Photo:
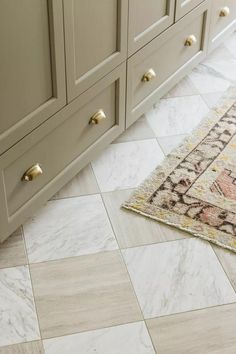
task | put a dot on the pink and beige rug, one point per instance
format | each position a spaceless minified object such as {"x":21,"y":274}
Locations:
{"x":194,"y":189}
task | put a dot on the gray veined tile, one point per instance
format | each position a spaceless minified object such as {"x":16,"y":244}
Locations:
{"x":178,"y":115}
{"x":82,"y":184}
{"x":67,"y":228}
{"x":177,"y":276}
{"x":168,"y":143}
{"x":137,"y":131}
{"x":83,"y":293}
{"x":184,"y":88}
{"x":12,"y":251}
{"x":18,"y":320}
{"x":130,"y":338}
{"x":212,"y":98}
{"x":132,"y":229}
{"x":230,"y":44}
{"x":207,"y":331}
{"x":126,"y":165}
{"x":228,"y":261}
{"x":24,"y":348}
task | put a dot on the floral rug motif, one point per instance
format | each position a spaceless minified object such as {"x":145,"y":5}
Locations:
{"x":194,"y":188}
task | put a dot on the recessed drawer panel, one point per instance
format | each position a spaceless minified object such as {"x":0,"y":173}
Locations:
{"x":29,"y":166}
{"x":165,"y":56}
{"x":184,"y":6}
{"x":223,"y":20}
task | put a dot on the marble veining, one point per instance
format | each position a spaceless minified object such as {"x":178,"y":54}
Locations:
{"x":131,"y":338}
{"x":168,"y":144}
{"x":18,"y":320}
{"x":177,"y":276}
{"x":125,"y":165}
{"x":178,"y":115}
{"x":69,"y":227}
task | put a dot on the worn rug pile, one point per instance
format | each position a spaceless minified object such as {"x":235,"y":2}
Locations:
{"x":194,"y":189}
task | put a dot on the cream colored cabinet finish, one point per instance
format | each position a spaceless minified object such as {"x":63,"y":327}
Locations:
{"x":32,"y":70}
{"x":147,"y":19}
{"x":95,"y":39}
{"x":221,"y":26}
{"x":61,"y":146}
{"x":184,"y":6}
{"x":169,"y":58}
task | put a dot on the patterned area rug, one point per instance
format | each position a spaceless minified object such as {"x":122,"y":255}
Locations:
{"x":194,"y":189}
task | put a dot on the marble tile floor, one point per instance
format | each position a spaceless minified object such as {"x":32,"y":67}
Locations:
{"x":83,"y":276}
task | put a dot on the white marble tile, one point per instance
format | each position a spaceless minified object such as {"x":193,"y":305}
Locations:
{"x":82,"y":184}
{"x":184,"y":88}
{"x":69,"y":227}
{"x":177,"y":276}
{"x":18,"y":320}
{"x":137,"y":131}
{"x":230,"y":44}
{"x":168,"y":143}
{"x":178,"y":115}
{"x":212,"y":99}
{"x":125,"y":165}
{"x":131,"y":338}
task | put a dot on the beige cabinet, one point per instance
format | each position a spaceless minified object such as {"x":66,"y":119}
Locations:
{"x":96,"y":40}
{"x":184,"y":6}
{"x":147,"y":19}
{"x":223,"y":20}
{"x":32,"y":72}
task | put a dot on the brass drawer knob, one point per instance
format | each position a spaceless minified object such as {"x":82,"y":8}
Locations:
{"x":149,"y":75}
{"x":191,"y":40}
{"x":225,"y":11}
{"x":97,"y":117}
{"x":32,"y":173}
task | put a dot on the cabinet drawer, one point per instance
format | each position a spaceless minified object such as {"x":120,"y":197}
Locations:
{"x":165,"y":59}
{"x":95,"y":41}
{"x":184,"y":6}
{"x":223,"y":20}
{"x":58,"y":143}
{"x":147,"y":19}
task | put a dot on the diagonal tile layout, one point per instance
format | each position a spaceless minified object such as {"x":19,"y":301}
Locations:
{"x":130,"y":338}
{"x":177,"y":276}
{"x":18,"y":320}
{"x":23,"y":348}
{"x":208,"y":331}
{"x":118,"y":167}
{"x":67,"y":228}
{"x":83,"y":293}
{"x":12,"y":251}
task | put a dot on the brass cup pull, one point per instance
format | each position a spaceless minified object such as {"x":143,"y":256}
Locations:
{"x":225,"y":11}
{"x":191,"y":40}
{"x":32,"y":173}
{"x":149,"y":75}
{"x":97,"y":117}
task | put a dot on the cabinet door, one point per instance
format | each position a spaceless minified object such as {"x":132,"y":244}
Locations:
{"x":96,"y":40}
{"x":147,"y":19}
{"x":32,"y":70}
{"x":184,"y":6}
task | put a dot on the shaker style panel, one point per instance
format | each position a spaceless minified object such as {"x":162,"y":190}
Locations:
{"x":152,"y":71}
{"x":184,"y":6}
{"x":223,"y":20}
{"x":147,"y":19}
{"x":32,"y":69}
{"x":96,"y":41}
{"x":37,"y":166}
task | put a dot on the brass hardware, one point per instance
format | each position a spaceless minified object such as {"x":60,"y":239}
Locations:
{"x":97,"y":117}
{"x":32,"y":173}
{"x":224,"y":12}
{"x":149,"y":75}
{"x":190,"y":41}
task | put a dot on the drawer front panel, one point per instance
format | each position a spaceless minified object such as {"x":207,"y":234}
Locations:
{"x":73,"y":135}
{"x":184,"y":6}
{"x":164,"y":56}
{"x":147,"y":19}
{"x":96,"y":40}
{"x":223,"y":20}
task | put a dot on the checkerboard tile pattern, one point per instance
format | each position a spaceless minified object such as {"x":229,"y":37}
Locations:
{"x":84,"y":276}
